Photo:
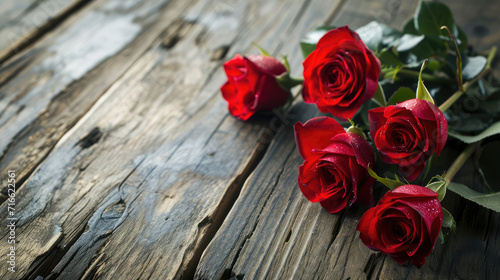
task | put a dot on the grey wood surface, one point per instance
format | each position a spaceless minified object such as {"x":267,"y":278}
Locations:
{"x":25,"y":21}
{"x":129,"y":166}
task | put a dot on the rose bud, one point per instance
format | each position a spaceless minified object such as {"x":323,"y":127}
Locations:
{"x":335,"y":169}
{"x":405,"y":224}
{"x":340,"y":74}
{"x":252,"y":86}
{"x":408,"y":133}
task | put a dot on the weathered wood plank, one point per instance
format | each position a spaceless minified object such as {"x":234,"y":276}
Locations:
{"x":218,"y":260}
{"x":22,"y":22}
{"x":140,"y":184}
{"x":273,"y":232}
{"x":50,"y":86}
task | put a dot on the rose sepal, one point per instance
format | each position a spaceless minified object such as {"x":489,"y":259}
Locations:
{"x":390,"y":183}
{"x":448,"y":224}
{"x":422,"y":92}
{"x":438,"y":187}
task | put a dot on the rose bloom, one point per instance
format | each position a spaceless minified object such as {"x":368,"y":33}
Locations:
{"x":407,"y":134}
{"x":405,"y":224}
{"x":252,"y":86}
{"x":334,"y":172}
{"x":340,"y":74}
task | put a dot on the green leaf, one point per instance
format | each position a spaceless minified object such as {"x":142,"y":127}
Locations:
{"x":441,"y":237}
{"x":371,"y":34}
{"x":433,"y":65}
{"x":472,"y":66}
{"x":287,"y":82}
{"x":490,"y":201}
{"x":462,"y":38}
{"x":308,"y":44}
{"x":379,"y":97}
{"x":439,"y":188}
{"x":402,"y":94}
{"x":430,"y":16}
{"x":408,"y":42}
{"x":422,"y":92}
{"x":286,"y":63}
{"x":389,"y":58}
{"x":492,"y":130}
{"x":409,"y":27}
{"x":376,"y":35}
{"x":391,"y":184}
{"x":448,"y":223}
{"x":448,"y":220}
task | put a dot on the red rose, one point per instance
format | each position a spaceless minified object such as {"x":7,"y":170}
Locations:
{"x":341,"y":74}
{"x":335,"y":169}
{"x":252,"y":86}
{"x":405,"y":224}
{"x":408,"y":133}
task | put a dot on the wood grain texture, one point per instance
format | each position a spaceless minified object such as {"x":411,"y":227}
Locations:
{"x":132,"y":167}
{"x":24,"y":21}
{"x":50,"y":86}
{"x":273,"y":232}
{"x":156,"y":162}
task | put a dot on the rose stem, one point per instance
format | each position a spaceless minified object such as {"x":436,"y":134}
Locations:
{"x":459,"y":162}
{"x":426,"y":77}
{"x":447,"y":104}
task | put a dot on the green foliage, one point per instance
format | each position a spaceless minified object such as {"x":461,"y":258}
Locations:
{"x":402,"y":94}
{"x":472,"y":66}
{"x":492,"y":130}
{"x":402,"y":52}
{"x":430,"y":16}
{"x":422,"y":92}
{"x":391,"y":184}
{"x":490,"y":201}
{"x":449,"y":225}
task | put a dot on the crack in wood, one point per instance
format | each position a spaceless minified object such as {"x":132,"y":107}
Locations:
{"x":336,"y":229}
{"x":371,"y":264}
{"x":221,"y":212}
{"x":111,"y":216}
{"x":228,"y":272}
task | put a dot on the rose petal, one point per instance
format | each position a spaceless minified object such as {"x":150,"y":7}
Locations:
{"x":315,"y":134}
{"x":338,"y":35}
{"x":268,"y":64}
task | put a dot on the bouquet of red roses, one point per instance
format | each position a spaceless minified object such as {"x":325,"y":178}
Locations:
{"x":372,"y":80}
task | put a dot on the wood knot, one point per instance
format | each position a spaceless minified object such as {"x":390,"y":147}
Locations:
{"x":219,"y":53}
{"x":175,"y":33}
{"x":115,"y":210}
{"x":90,"y":138}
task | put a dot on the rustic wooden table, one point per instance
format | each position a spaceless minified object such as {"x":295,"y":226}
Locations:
{"x":128,"y":165}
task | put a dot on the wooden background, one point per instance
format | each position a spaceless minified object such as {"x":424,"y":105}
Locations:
{"x":128,"y":165}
